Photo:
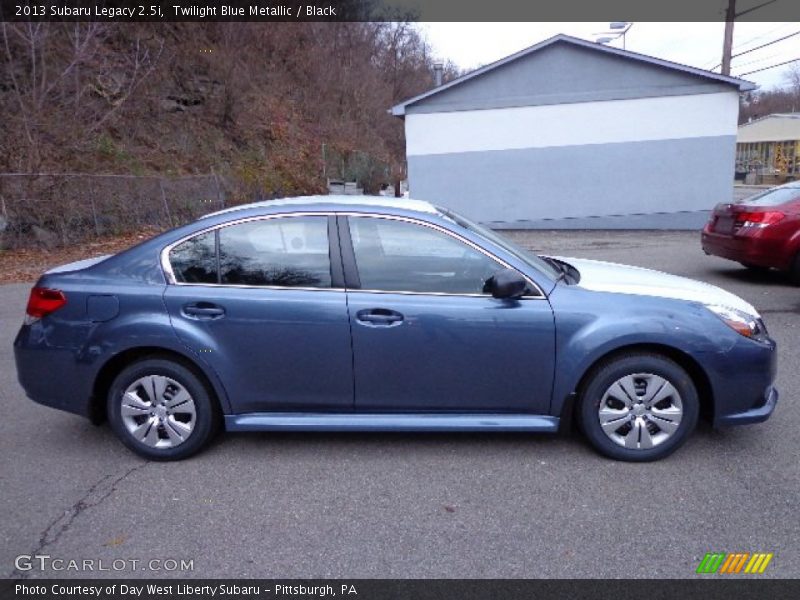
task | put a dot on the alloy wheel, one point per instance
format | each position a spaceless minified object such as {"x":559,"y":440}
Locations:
{"x":640,"y":411}
{"x":158,"y":411}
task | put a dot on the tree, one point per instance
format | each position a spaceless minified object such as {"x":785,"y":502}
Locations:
{"x":65,"y":80}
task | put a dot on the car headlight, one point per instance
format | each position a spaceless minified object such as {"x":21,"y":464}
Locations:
{"x":741,"y":322}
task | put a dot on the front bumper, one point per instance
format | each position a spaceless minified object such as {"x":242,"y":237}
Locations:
{"x":742,"y":379}
{"x":754,"y":415}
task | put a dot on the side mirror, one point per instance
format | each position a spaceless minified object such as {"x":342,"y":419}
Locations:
{"x":508,"y":284}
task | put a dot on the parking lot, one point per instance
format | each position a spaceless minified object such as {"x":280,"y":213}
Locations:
{"x":414,"y":505}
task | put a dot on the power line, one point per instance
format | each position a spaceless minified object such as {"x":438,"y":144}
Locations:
{"x":759,"y":47}
{"x":707,"y":64}
{"x":759,"y":36}
{"x":759,"y":60}
{"x":727,"y":42}
{"x":770,"y":67}
{"x":786,"y":37}
{"x":756,"y":7}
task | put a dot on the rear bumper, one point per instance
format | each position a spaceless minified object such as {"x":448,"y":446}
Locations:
{"x":51,"y":376}
{"x":749,"y":249}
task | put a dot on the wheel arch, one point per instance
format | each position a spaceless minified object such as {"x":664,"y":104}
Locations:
{"x":696,"y":372}
{"x":114,"y":365}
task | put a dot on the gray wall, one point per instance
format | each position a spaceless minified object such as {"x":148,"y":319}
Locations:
{"x":624,"y":185}
{"x":564,"y":73}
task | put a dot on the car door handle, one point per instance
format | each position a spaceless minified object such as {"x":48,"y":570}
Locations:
{"x":203,"y":310}
{"x":382,"y":317}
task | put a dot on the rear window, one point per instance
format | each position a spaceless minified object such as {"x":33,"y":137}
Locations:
{"x":280,"y":252}
{"x":285,"y":252}
{"x":195,"y":260}
{"x":774,"y":197}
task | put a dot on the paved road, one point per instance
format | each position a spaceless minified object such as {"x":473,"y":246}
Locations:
{"x":334,"y":505}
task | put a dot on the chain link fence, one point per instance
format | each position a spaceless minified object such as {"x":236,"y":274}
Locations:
{"x":47,"y":209}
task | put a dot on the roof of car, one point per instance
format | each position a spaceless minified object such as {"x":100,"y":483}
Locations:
{"x":341,"y":202}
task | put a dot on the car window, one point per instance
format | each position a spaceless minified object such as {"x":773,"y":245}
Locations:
{"x":774,"y":197}
{"x":195,"y":260}
{"x":506,"y":244}
{"x":397,"y":256}
{"x":287,"y":252}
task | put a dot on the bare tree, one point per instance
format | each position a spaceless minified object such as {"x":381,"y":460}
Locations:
{"x":256,"y":102}
{"x":66,"y":80}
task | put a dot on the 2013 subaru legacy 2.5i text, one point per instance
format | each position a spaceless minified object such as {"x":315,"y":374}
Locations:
{"x":365,"y":314}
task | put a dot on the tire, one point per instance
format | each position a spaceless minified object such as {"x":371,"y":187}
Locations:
{"x":644,"y":420}
{"x":183,"y":420}
{"x":755,"y":268}
{"x":794,"y":271}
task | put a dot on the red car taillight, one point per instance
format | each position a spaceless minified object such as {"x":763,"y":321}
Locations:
{"x":42,"y":302}
{"x":759,"y":219}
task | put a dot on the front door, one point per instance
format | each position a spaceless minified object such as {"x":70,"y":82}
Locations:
{"x":426,"y":338}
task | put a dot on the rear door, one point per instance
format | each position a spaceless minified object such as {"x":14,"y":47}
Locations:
{"x":426,"y":338}
{"x":262,"y":302}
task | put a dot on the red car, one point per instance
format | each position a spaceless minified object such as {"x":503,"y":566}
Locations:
{"x":762,"y":232}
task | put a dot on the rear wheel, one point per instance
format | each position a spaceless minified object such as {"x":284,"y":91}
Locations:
{"x":638,"y":407}
{"x":794,"y":271}
{"x":161,"y":409}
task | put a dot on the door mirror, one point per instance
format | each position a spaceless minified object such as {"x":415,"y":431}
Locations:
{"x":507,"y":283}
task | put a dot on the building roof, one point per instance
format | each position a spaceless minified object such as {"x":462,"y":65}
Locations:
{"x":777,"y":127}
{"x":742,"y":85}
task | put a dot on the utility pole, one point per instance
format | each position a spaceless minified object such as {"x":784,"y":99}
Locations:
{"x":727,"y":44}
{"x":730,"y":17}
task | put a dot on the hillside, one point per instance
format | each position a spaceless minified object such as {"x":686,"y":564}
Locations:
{"x":271,"y":108}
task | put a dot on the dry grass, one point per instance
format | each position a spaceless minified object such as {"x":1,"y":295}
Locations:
{"x":25,"y":265}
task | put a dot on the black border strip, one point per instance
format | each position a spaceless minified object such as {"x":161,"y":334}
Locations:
{"x":716,"y":588}
{"x":395,"y":10}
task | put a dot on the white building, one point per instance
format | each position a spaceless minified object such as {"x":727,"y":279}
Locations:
{"x":573,"y":134}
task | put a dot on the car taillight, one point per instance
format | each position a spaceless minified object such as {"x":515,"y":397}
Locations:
{"x":42,"y":302}
{"x":759,"y":219}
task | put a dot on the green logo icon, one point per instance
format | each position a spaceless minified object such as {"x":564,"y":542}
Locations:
{"x":734,"y":562}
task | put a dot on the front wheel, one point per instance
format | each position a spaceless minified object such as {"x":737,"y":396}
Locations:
{"x":755,"y":268}
{"x":638,"y":407}
{"x":161,"y":409}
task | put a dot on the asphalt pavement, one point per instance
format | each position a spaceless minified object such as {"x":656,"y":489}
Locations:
{"x":411,"y":505}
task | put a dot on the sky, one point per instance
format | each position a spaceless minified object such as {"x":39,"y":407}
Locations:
{"x":470,"y":45}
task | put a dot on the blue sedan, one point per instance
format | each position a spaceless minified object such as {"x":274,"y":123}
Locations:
{"x":367,"y":314}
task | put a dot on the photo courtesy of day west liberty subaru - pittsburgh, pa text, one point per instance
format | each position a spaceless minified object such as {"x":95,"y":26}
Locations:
{"x":183,"y":589}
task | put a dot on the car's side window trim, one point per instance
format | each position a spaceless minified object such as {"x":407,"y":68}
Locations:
{"x":351,"y":274}
{"x":216,"y":255}
{"x":352,"y":280}
{"x":334,"y":255}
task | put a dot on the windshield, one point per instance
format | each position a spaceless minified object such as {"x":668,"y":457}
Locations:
{"x":774,"y":197}
{"x":521,"y":253}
